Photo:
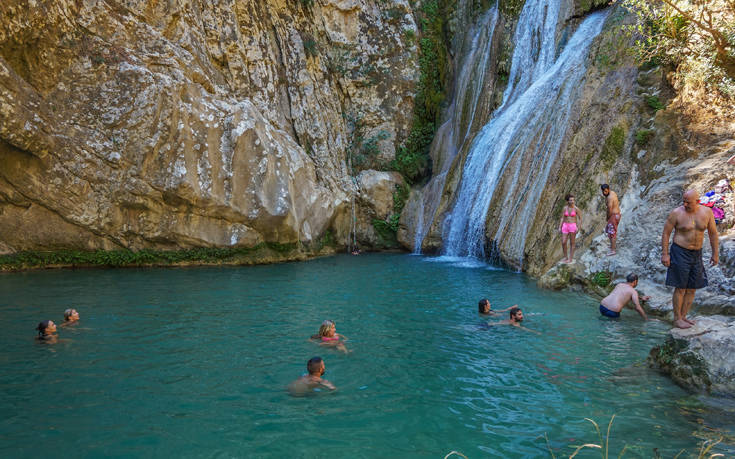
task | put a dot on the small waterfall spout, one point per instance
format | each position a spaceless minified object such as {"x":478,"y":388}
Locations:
{"x":517,"y":148}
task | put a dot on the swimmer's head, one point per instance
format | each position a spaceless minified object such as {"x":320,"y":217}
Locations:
{"x":483,"y":307}
{"x":315,"y":366}
{"x":605,"y":189}
{"x":516,"y":314}
{"x":46,"y":327}
{"x":632,"y":279}
{"x":569,"y":199}
{"x":71,"y":315}
{"x":325,"y":329}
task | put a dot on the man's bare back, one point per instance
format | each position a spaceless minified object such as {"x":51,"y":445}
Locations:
{"x":307,"y":383}
{"x":622,"y":294}
{"x":613,"y":205}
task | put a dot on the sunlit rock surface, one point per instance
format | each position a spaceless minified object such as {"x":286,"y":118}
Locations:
{"x":700,"y":358}
{"x":178,"y":124}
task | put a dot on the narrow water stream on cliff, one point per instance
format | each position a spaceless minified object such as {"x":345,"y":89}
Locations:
{"x":194,"y":362}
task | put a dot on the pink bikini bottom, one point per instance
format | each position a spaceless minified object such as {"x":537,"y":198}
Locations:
{"x":567,"y":228}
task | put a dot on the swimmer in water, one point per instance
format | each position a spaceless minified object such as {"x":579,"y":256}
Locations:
{"x":71,"y":316}
{"x":313,"y":380}
{"x":516,"y":317}
{"x":46,"y":330}
{"x":328,"y":336}
{"x":484,"y":308}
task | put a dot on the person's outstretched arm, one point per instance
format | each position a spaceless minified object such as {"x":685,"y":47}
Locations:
{"x":528,"y":329}
{"x":506,"y":309}
{"x":638,"y":305}
{"x":665,"y":236}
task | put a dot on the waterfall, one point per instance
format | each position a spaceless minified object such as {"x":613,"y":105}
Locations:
{"x":454,"y":132}
{"x":520,"y":143}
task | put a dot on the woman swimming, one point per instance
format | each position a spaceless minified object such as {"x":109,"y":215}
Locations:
{"x":46,"y":330}
{"x":571,"y":219}
{"x":328,"y":336}
{"x":71,"y":316}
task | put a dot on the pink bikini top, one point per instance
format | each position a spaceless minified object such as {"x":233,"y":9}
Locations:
{"x":330,"y":338}
{"x":567,"y":214}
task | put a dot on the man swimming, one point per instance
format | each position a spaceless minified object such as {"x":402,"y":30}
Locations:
{"x":611,"y":305}
{"x":313,"y":380}
{"x":484,"y":308}
{"x":516,"y":317}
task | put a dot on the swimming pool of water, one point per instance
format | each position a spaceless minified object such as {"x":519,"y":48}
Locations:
{"x":194,"y":362}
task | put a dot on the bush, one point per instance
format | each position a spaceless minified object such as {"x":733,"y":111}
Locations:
{"x":654,"y":102}
{"x":643,"y":136}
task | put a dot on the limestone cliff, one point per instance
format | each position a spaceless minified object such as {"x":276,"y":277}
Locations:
{"x":178,"y":124}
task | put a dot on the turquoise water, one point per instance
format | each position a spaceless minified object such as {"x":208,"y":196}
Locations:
{"x":194,"y":362}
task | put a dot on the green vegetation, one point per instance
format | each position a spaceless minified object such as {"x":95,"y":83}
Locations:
{"x":387,"y":229}
{"x":412,"y":158}
{"x":643,"y":136}
{"x":310,"y":47}
{"x":363,"y":152}
{"x":654,"y":102}
{"x":601,"y":278}
{"x":511,"y":8}
{"x":307,"y":3}
{"x":145,"y":257}
{"x":695,"y":37}
{"x":613,"y":148}
{"x":603,"y":445}
{"x":409,"y":35}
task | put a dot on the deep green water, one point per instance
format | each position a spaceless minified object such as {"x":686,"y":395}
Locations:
{"x":194,"y":362}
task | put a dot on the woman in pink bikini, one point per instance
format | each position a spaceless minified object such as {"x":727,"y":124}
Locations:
{"x":571,"y":219}
{"x":328,"y":336}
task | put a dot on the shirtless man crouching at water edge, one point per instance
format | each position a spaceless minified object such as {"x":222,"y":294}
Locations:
{"x":311,"y":381}
{"x":611,"y":305}
{"x":686,"y":270}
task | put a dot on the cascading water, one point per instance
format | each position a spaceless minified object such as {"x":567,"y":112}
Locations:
{"x":454,"y":132}
{"x":524,"y":136}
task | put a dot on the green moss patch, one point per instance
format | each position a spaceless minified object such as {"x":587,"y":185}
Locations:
{"x":264,"y":252}
{"x":613,"y":147}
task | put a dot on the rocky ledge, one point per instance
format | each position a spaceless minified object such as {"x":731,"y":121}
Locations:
{"x":700,"y":358}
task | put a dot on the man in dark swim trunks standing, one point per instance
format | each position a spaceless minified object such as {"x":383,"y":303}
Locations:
{"x":686,"y":270}
{"x":613,"y":216}
{"x":611,"y":305}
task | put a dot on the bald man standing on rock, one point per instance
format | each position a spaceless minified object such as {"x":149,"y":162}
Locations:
{"x":686,"y":270}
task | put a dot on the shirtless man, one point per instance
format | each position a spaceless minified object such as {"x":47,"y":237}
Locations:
{"x":686,"y":270}
{"x":485,"y":309}
{"x":516,"y":317}
{"x":313,"y":380}
{"x":611,"y":305}
{"x":613,"y":215}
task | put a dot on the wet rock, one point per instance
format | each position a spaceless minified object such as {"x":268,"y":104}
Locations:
{"x":700,"y":358}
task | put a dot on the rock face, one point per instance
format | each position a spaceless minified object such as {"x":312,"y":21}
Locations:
{"x":700,"y":358}
{"x":178,"y":124}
